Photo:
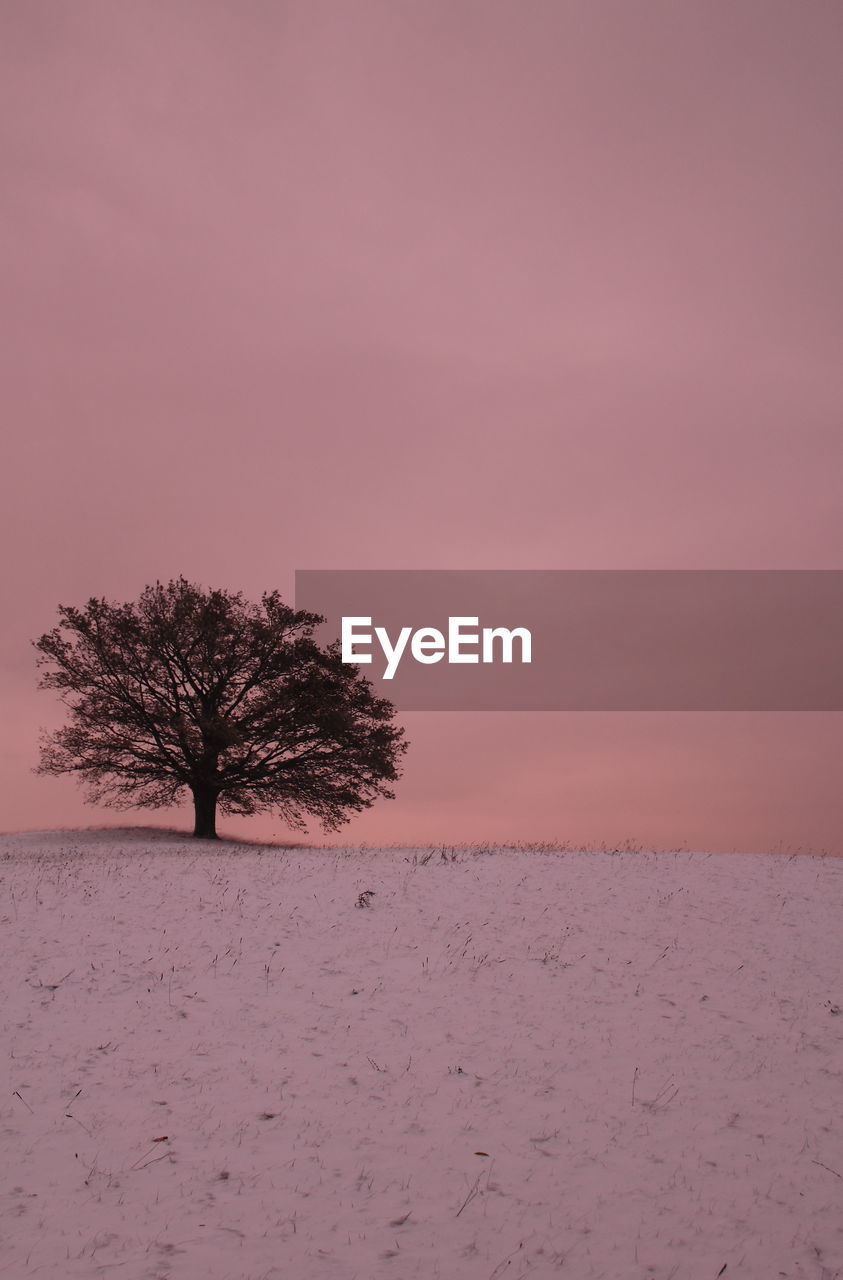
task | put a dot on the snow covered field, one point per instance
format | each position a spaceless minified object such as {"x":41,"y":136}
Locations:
{"x":509,"y":1064}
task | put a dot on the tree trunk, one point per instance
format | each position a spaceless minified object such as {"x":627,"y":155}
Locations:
{"x":205,"y":807}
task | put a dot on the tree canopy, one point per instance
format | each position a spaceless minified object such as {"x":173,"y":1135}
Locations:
{"x":199,"y":691}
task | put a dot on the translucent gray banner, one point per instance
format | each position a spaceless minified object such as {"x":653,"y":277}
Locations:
{"x":588,"y":640}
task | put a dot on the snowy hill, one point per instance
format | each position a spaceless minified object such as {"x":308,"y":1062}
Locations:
{"x":223,"y":1062}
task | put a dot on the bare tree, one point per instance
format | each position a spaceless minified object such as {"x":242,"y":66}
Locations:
{"x":193,"y":690}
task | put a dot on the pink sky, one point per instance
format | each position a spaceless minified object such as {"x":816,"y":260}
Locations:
{"x":441,"y":285}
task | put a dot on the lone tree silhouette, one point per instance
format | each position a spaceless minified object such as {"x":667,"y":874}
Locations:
{"x":234,"y":702}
